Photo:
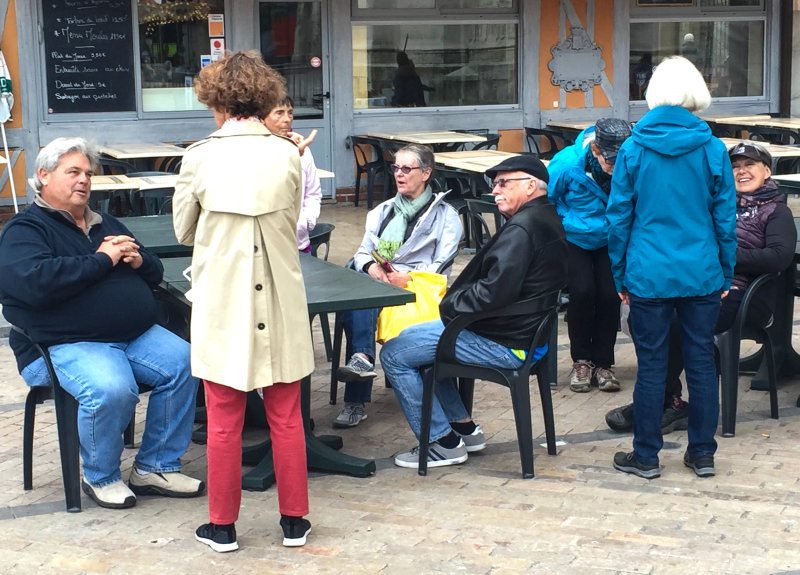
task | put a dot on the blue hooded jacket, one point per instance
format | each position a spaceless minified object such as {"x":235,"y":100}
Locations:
{"x":672,"y":209}
{"x":579,"y":200}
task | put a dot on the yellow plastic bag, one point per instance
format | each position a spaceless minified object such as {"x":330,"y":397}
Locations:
{"x":430,"y":288}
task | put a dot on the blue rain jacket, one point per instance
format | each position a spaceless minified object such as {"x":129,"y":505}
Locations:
{"x":579,"y":200}
{"x":672,"y":209}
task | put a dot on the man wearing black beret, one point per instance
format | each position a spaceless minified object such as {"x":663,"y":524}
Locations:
{"x":527,"y":257}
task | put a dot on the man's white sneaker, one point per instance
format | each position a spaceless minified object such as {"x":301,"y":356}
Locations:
{"x":114,"y":495}
{"x":171,"y":484}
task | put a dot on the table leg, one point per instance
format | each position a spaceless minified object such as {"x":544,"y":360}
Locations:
{"x":321,"y":452}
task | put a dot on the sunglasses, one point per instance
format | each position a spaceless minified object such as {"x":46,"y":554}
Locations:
{"x":405,"y":169}
{"x":501,"y":182}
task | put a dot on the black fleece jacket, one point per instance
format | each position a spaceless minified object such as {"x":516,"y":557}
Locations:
{"x":56,"y":287}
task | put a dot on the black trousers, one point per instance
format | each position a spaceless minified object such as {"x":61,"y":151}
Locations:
{"x":759,"y":313}
{"x":593,"y":315}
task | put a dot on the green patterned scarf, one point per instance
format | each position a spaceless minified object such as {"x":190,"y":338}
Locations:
{"x":395,"y":231}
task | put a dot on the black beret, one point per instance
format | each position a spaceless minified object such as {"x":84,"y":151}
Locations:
{"x":527,"y":163}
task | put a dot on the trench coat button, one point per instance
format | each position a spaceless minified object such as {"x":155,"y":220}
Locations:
{"x":255,"y":248}
{"x":259,"y":287}
{"x":261,"y":326}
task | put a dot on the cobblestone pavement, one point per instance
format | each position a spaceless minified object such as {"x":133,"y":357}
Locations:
{"x":577,"y":516}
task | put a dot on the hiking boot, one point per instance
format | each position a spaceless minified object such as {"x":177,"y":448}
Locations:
{"x":168,"y":484}
{"x":113,"y":496}
{"x":438,"y":456}
{"x":359,"y":368}
{"x":605,"y":379}
{"x":351,"y":415}
{"x":580,"y":378}
{"x":295,"y":530}
{"x":628,"y":463}
{"x":475,"y":441}
{"x":221,"y":538}
{"x":703,"y":465}
{"x":621,"y":418}
{"x":675,"y":416}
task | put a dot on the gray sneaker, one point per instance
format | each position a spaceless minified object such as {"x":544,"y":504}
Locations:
{"x":359,"y":368}
{"x":605,"y":379}
{"x":475,"y":441}
{"x":580,"y":378}
{"x":438,"y":456}
{"x":351,"y":415}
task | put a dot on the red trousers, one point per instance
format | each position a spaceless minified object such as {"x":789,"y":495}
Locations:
{"x":225,"y":409}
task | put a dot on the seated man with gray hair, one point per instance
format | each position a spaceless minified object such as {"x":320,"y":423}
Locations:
{"x":79,"y":282}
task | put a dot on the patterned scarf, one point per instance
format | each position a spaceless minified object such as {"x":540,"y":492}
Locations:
{"x":395,"y":231}
{"x":598,"y":175}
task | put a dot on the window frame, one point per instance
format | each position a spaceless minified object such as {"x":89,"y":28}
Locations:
{"x":404,"y":13}
{"x":762,"y":12}
{"x":461,"y":18}
{"x":139,"y":113}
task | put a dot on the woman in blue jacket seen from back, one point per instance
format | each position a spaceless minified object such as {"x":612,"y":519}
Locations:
{"x":672,"y":244}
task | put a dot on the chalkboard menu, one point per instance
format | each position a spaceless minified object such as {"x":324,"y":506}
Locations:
{"x":89,"y":56}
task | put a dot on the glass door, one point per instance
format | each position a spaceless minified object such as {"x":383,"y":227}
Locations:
{"x":293,"y":37}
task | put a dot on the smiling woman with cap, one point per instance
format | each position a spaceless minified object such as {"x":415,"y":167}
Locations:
{"x":580,"y":181}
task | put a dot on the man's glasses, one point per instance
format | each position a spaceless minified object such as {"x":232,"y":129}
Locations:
{"x":404,"y":169}
{"x":501,"y":182}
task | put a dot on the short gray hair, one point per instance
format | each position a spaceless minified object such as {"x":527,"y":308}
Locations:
{"x":677,"y":82}
{"x":423,"y":154}
{"x":51,"y":155}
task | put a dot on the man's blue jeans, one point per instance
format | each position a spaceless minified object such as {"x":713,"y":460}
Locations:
{"x":415,"y":347}
{"x":103,"y":378}
{"x":359,"y":328}
{"x":650,"y":326}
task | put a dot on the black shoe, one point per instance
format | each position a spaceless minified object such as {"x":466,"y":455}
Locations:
{"x":621,"y":418}
{"x":221,"y":538}
{"x":675,"y":416}
{"x":628,"y":463}
{"x":703,"y":465}
{"x":295,"y":530}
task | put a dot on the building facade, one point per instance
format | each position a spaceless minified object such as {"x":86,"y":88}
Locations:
{"x":121,"y":70}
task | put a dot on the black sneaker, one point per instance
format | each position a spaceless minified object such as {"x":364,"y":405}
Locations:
{"x":675,"y":416}
{"x":221,"y":538}
{"x":621,"y":418}
{"x":295,"y":530}
{"x":703,"y":465}
{"x":628,"y":463}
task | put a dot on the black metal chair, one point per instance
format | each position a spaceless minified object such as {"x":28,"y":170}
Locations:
{"x":517,"y":380}
{"x":544,"y":142}
{"x":459,"y":186}
{"x":67,"y":428}
{"x":478,"y":224}
{"x":370,"y":162}
{"x":492,"y":140}
{"x":728,"y":344}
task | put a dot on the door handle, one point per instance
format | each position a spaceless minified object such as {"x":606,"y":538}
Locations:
{"x":326,"y":95}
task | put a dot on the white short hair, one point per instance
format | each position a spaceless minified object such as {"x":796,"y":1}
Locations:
{"x":677,"y":82}
{"x":50,"y":156}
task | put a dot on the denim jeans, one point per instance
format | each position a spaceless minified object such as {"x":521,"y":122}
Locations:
{"x":415,"y":347}
{"x":103,"y":378}
{"x":359,"y":328}
{"x":650,"y":327}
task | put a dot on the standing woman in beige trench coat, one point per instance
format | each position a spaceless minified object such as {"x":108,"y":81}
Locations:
{"x":237,"y":201}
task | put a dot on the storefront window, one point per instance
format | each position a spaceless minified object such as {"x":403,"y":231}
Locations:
{"x":175,"y":38}
{"x":729,"y":54}
{"x":444,"y":64}
{"x":434,"y":4}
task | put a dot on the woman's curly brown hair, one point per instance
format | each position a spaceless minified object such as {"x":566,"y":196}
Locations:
{"x":240,"y":84}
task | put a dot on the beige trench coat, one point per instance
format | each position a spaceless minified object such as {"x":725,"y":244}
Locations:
{"x":237,"y":201}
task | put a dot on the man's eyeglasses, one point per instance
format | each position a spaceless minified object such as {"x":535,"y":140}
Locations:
{"x":404,"y":169}
{"x":501,"y":182}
